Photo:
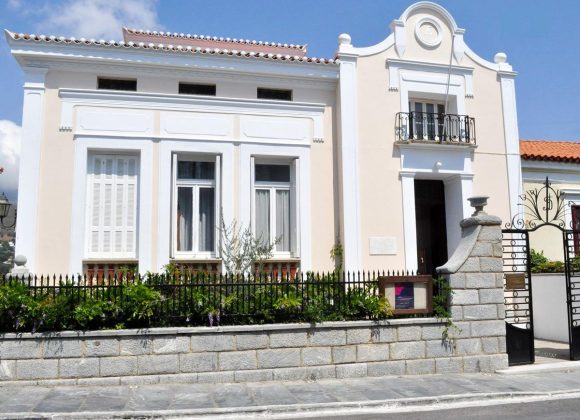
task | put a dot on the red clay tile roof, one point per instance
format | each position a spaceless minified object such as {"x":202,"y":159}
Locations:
{"x":247,"y":52}
{"x":556,"y":151}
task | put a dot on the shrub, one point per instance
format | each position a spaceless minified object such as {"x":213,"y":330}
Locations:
{"x":363,"y":304}
{"x":186,"y":299}
{"x":549,"y":267}
{"x":537,"y":258}
{"x":140,"y":304}
{"x":94,"y":313}
{"x":441,"y":297}
{"x":17,"y":307}
{"x":57,"y":311}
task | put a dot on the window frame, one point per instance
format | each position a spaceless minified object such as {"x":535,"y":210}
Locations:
{"x":120,"y":79}
{"x":261,"y":90}
{"x":438,"y":126}
{"x":180,"y":84}
{"x":273,"y":187}
{"x":195,"y":185}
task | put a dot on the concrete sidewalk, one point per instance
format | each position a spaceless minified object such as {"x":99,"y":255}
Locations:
{"x":284,"y":399}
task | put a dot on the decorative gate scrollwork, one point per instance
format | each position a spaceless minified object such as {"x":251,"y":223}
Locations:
{"x":540,"y":207}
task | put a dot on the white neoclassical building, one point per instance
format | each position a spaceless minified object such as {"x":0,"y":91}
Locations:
{"x":134,"y":151}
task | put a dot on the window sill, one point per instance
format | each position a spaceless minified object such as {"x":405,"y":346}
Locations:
{"x":188,"y":260}
{"x":110,"y":260}
{"x":282,"y":259}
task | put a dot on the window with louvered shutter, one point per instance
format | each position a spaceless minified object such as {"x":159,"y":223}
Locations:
{"x":112,"y":206}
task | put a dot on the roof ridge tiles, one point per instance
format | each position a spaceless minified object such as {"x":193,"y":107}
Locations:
{"x":258,"y":54}
{"x":302,"y":47}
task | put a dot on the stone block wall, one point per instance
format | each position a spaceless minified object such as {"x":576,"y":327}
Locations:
{"x":289,"y":351}
{"x":475,"y":273}
{"x":240,"y":353}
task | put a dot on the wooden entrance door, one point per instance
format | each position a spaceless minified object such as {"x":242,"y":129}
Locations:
{"x":430,"y":224}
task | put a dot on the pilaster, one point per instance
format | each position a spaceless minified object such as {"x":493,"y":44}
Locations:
{"x":349,"y":153}
{"x":29,"y":175}
{"x":409,"y":220}
{"x":512,"y":137}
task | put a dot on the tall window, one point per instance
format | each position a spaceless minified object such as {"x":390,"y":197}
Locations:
{"x":112,"y":206}
{"x":274,"y":215}
{"x":195,"y":206}
{"x":427,"y":120}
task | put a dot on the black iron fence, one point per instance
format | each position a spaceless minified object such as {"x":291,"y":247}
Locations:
{"x":129,"y":300}
{"x":435,"y":127}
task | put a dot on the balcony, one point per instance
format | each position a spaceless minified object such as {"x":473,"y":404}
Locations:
{"x":435,"y":128}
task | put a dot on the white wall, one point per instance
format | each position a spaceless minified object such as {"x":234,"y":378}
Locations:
{"x":549,"y":305}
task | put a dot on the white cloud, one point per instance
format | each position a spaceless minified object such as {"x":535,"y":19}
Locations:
{"x":99,"y":19}
{"x":10,"y":135}
{"x":14,"y":4}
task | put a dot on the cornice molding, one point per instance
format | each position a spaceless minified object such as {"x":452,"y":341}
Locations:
{"x":138,"y":100}
{"x":395,"y":65}
{"x":123,"y":69}
{"x":56,"y":56}
{"x":536,"y":166}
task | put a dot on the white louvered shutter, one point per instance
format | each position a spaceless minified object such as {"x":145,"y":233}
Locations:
{"x":112,"y":207}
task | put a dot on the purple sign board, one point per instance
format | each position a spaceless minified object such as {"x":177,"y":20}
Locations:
{"x":404,"y":295}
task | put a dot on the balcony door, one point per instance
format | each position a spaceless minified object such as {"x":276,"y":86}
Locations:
{"x":426,"y":120}
{"x":431,"y":225}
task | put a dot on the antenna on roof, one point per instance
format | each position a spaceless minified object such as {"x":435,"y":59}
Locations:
{"x":448,"y":81}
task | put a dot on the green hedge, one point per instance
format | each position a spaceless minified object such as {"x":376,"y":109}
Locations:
{"x":541,"y":264}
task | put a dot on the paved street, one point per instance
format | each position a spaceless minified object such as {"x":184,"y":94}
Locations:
{"x":564,"y":409}
{"x":282,"y":399}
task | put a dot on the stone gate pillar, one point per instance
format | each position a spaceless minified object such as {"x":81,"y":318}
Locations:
{"x":475,"y":274}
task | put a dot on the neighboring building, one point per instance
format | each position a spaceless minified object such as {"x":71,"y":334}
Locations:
{"x":8,"y":233}
{"x":133,"y":151}
{"x":559,"y":162}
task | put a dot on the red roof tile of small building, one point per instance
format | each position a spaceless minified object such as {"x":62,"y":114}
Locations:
{"x":556,"y":151}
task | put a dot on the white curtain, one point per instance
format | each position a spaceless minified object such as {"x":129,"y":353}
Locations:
{"x":184,"y":213}
{"x":263,"y":216}
{"x":206,"y":219}
{"x":283,"y":220}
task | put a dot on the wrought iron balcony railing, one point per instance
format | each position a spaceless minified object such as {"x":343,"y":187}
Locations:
{"x":432,"y":127}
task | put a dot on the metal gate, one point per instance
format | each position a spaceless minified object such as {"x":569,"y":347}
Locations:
{"x":518,"y":297}
{"x":540,"y":207}
{"x":572,"y":267}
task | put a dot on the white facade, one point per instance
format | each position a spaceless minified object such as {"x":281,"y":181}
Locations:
{"x":145,"y":175}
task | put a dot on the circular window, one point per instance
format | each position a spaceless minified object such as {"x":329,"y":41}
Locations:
{"x":429,"y":32}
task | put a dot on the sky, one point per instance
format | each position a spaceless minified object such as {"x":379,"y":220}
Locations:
{"x":540,"y":37}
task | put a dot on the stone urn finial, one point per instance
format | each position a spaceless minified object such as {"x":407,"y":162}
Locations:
{"x":20,"y":260}
{"x":20,"y":271}
{"x":478,"y":203}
